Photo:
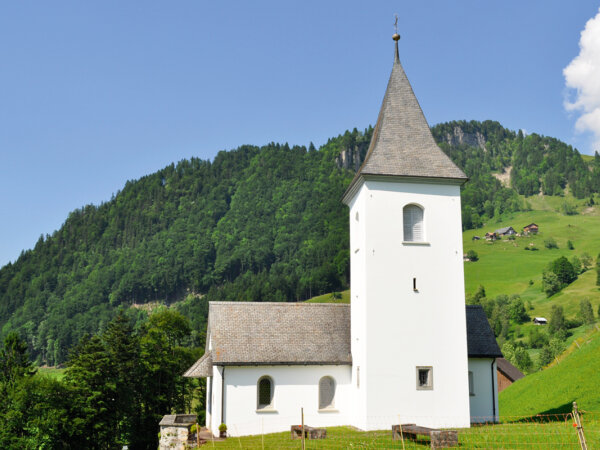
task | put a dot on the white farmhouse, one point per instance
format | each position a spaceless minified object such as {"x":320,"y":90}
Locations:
{"x":406,"y":350}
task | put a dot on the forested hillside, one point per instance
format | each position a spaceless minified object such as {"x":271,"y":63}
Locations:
{"x":255,"y":224}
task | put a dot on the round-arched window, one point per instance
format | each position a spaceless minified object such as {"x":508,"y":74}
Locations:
{"x":326,"y":392}
{"x":264,"y":393}
{"x":413,"y":223}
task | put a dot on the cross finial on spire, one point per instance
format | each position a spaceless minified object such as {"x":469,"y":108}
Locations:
{"x":396,"y":37}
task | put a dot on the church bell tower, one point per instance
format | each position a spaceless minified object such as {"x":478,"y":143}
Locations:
{"x":409,"y":344}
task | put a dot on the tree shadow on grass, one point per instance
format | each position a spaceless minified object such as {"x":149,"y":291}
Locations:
{"x":558,"y":414}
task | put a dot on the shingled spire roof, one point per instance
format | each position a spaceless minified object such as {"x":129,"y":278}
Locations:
{"x":402,"y":143}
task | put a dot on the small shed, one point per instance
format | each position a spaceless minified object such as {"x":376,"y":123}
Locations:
{"x":489,"y":236}
{"x":540,"y":321}
{"x":507,"y":373}
{"x":175,"y":431}
{"x":532,"y":228}
{"x":506,"y":231}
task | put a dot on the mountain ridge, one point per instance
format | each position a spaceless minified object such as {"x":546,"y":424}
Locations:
{"x":255,"y":224}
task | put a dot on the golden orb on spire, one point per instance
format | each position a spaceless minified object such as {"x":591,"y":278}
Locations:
{"x":396,"y":37}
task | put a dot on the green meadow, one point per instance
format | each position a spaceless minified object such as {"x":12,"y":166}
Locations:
{"x":575,"y":378}
{"x":334,"y":297}
{"x":505,"y":267}
{"x":52,"y":372}
{"x":549,"y":435}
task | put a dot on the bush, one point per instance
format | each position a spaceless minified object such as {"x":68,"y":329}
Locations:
{"x":586,"y":312}
{"x":576,"y":263}
{"x":568,"y":209}
{"x":586,"y":261}
{"x":570,"y":245}
{"x":537,"y":338}
{"x":472,"y":255}
{"x":550,"y":283}
{"x":550,"y":243}
{"x":516,"y":310}
{"x":222,"y":428}
{"x":545,"y":356}
{"x":557,"y":319}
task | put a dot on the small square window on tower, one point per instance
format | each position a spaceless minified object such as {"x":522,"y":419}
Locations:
{"x":424,"y":378}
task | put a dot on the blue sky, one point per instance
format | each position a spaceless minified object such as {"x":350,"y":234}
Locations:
{"x":93,"y":94}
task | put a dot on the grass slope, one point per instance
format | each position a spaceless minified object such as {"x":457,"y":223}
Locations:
{"x":331,"y":298}
{"x":504,"y":267}
{"x":553,"y":390}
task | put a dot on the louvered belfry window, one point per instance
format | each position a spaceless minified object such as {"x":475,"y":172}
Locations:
{"x":326,"y":392}
{"x":413,"y":223}
{"x":265,"y":392}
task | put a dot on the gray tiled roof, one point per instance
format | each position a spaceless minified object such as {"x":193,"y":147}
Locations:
{"x":402,"y":143}
{"x":244,"y":333}
{"x":201,"y":368}
{"x":481,"y":342}
{"x":508,"y":369}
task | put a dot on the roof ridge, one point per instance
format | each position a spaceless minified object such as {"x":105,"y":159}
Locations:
{"x":278,"y":303}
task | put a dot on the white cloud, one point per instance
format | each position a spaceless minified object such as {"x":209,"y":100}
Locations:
{"x":583,"y":75}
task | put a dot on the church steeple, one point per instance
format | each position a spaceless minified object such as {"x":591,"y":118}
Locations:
{"x":402,"y":144}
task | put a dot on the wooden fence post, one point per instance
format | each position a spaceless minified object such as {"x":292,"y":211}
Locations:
{"x":302,"y":418}
{"x":580,"y":434}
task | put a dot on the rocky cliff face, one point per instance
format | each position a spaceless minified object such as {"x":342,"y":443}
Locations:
{"x":459,"y":137}
{"x":351,"y":158}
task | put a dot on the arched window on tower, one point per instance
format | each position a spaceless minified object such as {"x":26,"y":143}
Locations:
{"x":326,"y":393}
{"x":413,"y":223}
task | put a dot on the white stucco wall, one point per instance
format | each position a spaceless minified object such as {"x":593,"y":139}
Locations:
{"x":396,"y":329}
{"x":215,"y":405}
{"x":358,"y":310}
{"x":485,"y":388}
{"x":295,"y":387}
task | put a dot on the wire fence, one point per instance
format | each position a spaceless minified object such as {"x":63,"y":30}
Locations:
{"x":546,"y":431}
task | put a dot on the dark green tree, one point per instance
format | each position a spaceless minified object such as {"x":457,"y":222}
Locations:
{"x":516,"y":310}
{"x":14,"y":361}
{"x":557,"y":319}
{"x":564,"y":270}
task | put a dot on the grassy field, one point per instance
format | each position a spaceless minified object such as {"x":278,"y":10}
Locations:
{"x":575,"y":378}
{"x":331,"y":298}
{"x":505,"y":267}
{"x":52,"y":372}
{"x":550,"y":435}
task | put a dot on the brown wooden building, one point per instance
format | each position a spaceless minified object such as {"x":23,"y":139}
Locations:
{"x":532,"y":228}
{"x":507,"y":374}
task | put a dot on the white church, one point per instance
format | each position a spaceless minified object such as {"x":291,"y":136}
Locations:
{"x":406,"y":349}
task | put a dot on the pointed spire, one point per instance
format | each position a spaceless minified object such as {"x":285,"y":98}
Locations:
{"x":402,"y":144}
